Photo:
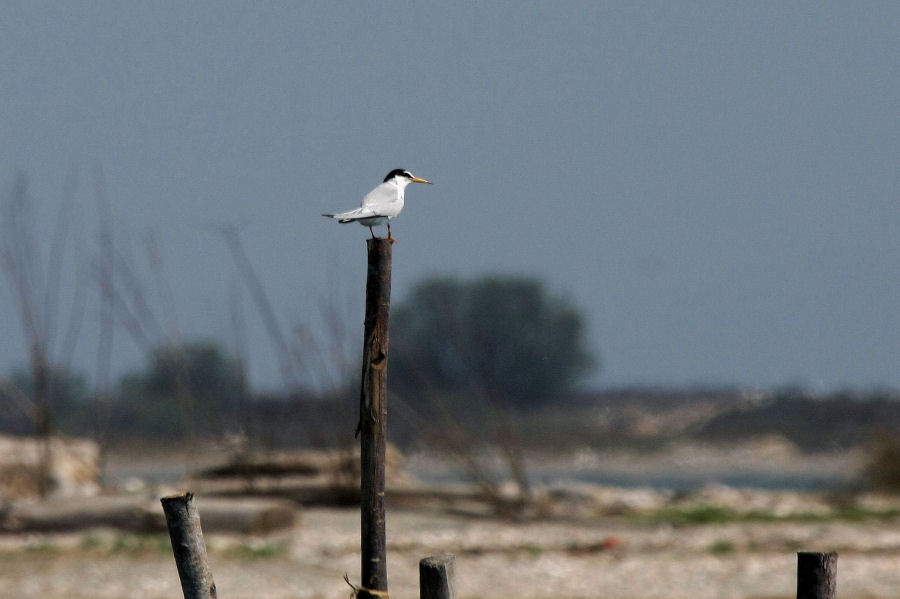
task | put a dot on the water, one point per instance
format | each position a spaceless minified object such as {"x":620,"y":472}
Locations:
{"x":770,"y":481}
{"x":662,"y":480}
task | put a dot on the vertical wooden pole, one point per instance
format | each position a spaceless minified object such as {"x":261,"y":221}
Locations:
{"x":372,"y":428}
{"x":816,"y":575}
{"x":187,"y":543}
{"x":436,"y":577}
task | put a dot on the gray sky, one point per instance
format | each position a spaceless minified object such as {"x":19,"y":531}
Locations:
{"x":716,"y":185}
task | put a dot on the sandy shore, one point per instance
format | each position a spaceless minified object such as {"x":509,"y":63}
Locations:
{"x":613,"y":559}
{"x":588,"y":546}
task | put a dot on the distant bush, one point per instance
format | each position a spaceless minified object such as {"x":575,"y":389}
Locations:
{"x":505,"y":336}
{"x":812,"y":422}
{"x":882,"y":471}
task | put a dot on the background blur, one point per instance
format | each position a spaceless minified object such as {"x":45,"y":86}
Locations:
{"x":648,"y":307}
{"x":715,"y":186}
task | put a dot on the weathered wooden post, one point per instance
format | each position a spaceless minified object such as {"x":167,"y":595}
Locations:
{"x":816,"y":575}
{"x":183,"y":522}
{"x":436,"y":577}
{"x":372,"y":427}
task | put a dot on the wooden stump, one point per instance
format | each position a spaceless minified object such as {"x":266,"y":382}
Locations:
{"x":816,"y":575}
{"x":436,"y":577}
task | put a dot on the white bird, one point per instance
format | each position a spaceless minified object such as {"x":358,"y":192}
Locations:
{"x":382,"y":203}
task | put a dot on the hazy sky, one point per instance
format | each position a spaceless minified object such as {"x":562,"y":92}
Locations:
{"x":716,"y":185}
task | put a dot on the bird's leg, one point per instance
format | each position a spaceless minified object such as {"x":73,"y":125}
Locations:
{"x":390,"y":237}
{"x":371,"y":231}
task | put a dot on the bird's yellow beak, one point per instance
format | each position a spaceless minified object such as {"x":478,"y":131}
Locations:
{"x":418,"y":180}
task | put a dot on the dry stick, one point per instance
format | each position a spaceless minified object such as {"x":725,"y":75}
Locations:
{"x":106,"y":284}
{"x":183,"y":521}
{"x":19,"y":260}
{"x":263,"y":306}
{"x":372,"y":428}
{"x":816,"y":575}
{"x":436,"y":577}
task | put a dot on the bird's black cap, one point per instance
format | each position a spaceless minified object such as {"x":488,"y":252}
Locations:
{"x":397,"y":172}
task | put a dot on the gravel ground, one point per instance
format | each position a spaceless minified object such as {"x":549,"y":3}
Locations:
{"x":609,"y":559}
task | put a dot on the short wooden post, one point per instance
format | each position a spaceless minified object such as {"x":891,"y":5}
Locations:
{"x":372,"y":428}
{"x":187,"y":543}
{"x":816,"y":575}
{"x":436,"y":577}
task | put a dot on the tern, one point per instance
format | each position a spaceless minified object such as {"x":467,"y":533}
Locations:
{"x":382,"y":203}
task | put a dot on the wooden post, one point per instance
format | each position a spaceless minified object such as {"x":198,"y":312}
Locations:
{"x":816,"y":575}
{"x":187,"y":544}
{"x":436,"y":577}
{"x":372,"y":427}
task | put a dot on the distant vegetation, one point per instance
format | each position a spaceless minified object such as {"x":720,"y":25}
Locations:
{"x":484,"y":347}
{"x":505,"y":336}
{"x":197,"y":391}
{"x":812,"y":422}
{"x":190,"y":385}
{"x":882,"y":470}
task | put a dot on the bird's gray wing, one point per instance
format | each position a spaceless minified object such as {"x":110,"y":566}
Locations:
{"x":378,"y":199}
{"x":352,"y":215}
{"x":376,"y":203}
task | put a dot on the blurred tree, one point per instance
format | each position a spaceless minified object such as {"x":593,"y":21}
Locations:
{"x":503,"y":335}
{"x":185,"y":382}
{"x":68,"y":394}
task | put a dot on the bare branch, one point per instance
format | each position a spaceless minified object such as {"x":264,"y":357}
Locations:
{"x":64,"y":220}
{"x":165,"y":290}
{"x":19,"y":260}
{"x":263,"y":305}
